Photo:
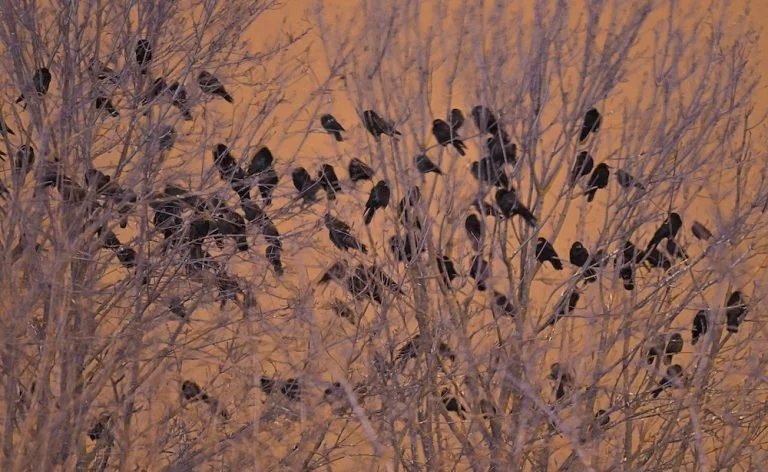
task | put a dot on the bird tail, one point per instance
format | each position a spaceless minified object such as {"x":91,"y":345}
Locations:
{"x":364,"y":248}
{"x":242,"y":243}
{"x":338,"y":136}
{"x":528,"y":217}
{"x":187,"y":115}
{"x":394,"y":131}
{"x":556,"y":263}
{"x":590,"y":194}
{"x":656,"y":391}
{"x":629,"y":284}
{"x":331,"y":193}
{"x":481,"y":287}
{"x":732,"y":328}
{"x":460,"y":146}
{"x":368,"y":215}
{"x":228,"y":97}
{"x":20,"y":99}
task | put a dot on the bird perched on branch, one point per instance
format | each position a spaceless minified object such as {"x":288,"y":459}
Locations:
{"x":329,"y":124}
{"x":211,"y":85}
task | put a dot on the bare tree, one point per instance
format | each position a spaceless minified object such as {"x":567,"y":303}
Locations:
{"x":191,"y":283}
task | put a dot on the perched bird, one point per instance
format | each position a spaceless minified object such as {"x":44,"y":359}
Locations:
{"x":700,"y":326}
{"x":329,"y":181}
{"x":579,"y":256}
{"x":126,"y":255}
{"x":143,"y":54}
{"x":626,"y":180}
{"x":376,"y":125}
{"x":101,"y":429}
{"x":487,"y":171}
{"x":592,"y":121}
{"x":509,"y":205}
{"x":668,"y":229}
{"x":447,"y":269}
{"x":546,"y":252}
{"x":332,"y":126}
{"x":262,"y":166}
{"x":336,"y":272}
{"x":158,"y":88}
{"x":290,"y":388}
{"x":485,"y":120}
{"x":565,"y":306}
{"x":656,"y":258}
{"x":456,"y":120}
{"x":583,"y":166}
{"x":402,"y":248}
{"x":502,"y":306}
{"x":176,"y":306}
{"x":166,"y":137}
{"x":306,"y":185}
{"x":474,"y":228}
{"x":480,"y":271}
{"x":211,"y":85}
{"x":41,"y":81}
{"x":675,"y":250}
{"x":105,"y":103}
{"x":735,"y":311}
{"x":103,"y":72}
{"x":406,"y":208}
{"x":25,"y":159}
{"x":273,"y":256}
{"x":625,"y":260}
{"x":340,"y":235}
{"x":444,"y":136}
{"x":378,"y":198}
{"x":224,"y":161}
{"x":502,"y":151}
{"x":261,"y":161}
{"x":359,"y":170}
{"x":192,"y":392}
{"x":343,"y":310}
{"x":700,"y":231}
{"x":672,"y":378}
{"x":562,"y":378}
{"x":425,"y":165}
{"x":674,"y":346}
{"x":452,"y":404}
{"x":598,"y":180}
{"x":363,"y":285}
{"x":381,"y":277}
{"x":179,"y":99}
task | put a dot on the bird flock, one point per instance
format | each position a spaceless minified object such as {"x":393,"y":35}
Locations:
{"x":189,"y":221}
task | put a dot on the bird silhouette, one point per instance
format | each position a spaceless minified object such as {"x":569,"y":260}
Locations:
{"x":627,"y":180}
{"x":474,"y":228}
{"x":211,"y":85}
{"x":502,"y":306}
{"x":579,"y":256}
{"x":674,"y":346}
{"x":545,"y":252}
{"x":672,"y":378}
{"x":179,"y":99}
{"x":735,"y":310}
{"x":376,"y":125}
{"x":509,"y":205}
{"x":700,"y":326}
{"x":564,"y":307}
{"x":501,"y":150}
{"x":591,"y":124}
{"x":456,"y":119}
{"x":340,"y":234}
{"x":378,"y":198}
{"x":105,"y":103}
{"x":583,"y":166}
{"x":425,"y":165}
{"x":444,"y":136}
{"x":272,"y":254}
{"x":329,"y":181}
{"x":41,"y":81}
{"x":305,"y":184}
{"x":487,"y":171}
{"x":329,"y":124}
{"x":668,"y":229}
{"x":452,"y":404}
{"x":598,"y":180}
{"x":480,"y":271}
{"x":700,"y":231}
{"x":359,"y":170}
{"x":143,"y":55}
{"x":485,"y":120}
{"x":447,"y":269}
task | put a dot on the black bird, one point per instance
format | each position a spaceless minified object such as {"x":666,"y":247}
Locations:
{"x":425,"y":165}
{"x":262,"y":166}
{"x":474,"y":228}
{"x":359,"y":170}
{"x":337,"y":272}
{"x":488,"y":171}
{"x":192,"y":392}
{"x":480,"y":271}
{"x":381,"y":277}
{"x":329,"y":181}
{"x":143,"y":55}
{"x":562,"y":378}
{"x":598,"y":180}
{"x":179,"y":99}
{"x":4,"y":129}
{"x":656,"y":258}
{"x":672,"y":378}
{"x":291,"y":389}
{"x":406,"y":208}
{"x":485,"y":120}
{"x":158,"y":88}
{"x":509,"y":205}
{"x":452,"y":404}
{"x":668,"y":229}
{"x":362,"y":285}
{"x":227,"y":285}
{"x":579,"y":256}
{"x":565,"y":306}
{"x":101,"y":429}
{"x":444,"y":136}
{"x":700,"y":231}
{"x":402,"y":248}
{"x":700,"y":326}
{"x":224,"y":161}
{"x":447,"y":269}
{"x":166,"y":137}
{"x":332,"y":126}
{"x":231,"y":223}
{"x":343,"y":310}
{"x":126,"y":255}
{"x":592,"y":121}
{"x":305,"y":184}
{"x":340,"y":235}
{"x":546,"y":252}
{"x":376,"y":125}
{"x":675,"y":250}
{"x":674,"y":346}
{"x":273,"y":256}
{"x":261,"y":161}
{"x":378,"y":198}
{"x":211,"y":85}
{"x":456,"y":119}
{"x":735,"y":311}
{"x":25,"y":159}
{"x":41,"y":80}
{"x":502,"y":306}
{"x":583,"y":166}
{"x":105,"y":103}
{"x":176,"y":306}
{"x":626,"y":180}
{"x":625,"y":260}
{"x":502,"y":151}
{"x":267,"y":385}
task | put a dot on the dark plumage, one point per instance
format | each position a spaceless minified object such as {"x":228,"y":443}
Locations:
{"x":444,"y":136}
{"x":456,"y":119}
{"x":105,"y":103}
{"x":700,"y":326}
{"x":340,"y":235}
{"x":485,"y":120}
{"x":166,"y":137}
{"x":564,"y":307}
{"x":224,"y":161}
{"x":211,"y":85}
{"x":562,"y":378}
{"x":179,"y":99}
{"x":507,"y":202}
{"x":359,"y":170}
{"x":700,"y":231}
{"x":674,"y":346}
{"x":487,"y":171}
{"x":23,"y":161}
{"x":143,"y":55}
{"x":452,"y":404}
{"x":406,"y":208}
{"x":657,"y":259}
{"x":176,"y":306}
{"x":267,"y":182}
{"x":261,"y":161}
{"x":4,"y":129}
{"x":402,"y":248}
{"x":598,"y":180}
{"x":474,"y":227}
{"x":376,"y":125}
{"x":41,"y":81}
{"x":425,"y":165}
{"x":447,"y":269}
{"x":329,"y":181}
{"x":675,"y":250}
{"x":625,"y":260}
{"x":545,"y":252}
{"x":656,"y":347}
{"x":306,"y":185}
{"x":583,"y":166}
{"x":126,"y":255}
{"x":668,"y":229}
{"x":502,"y":151}
{"x":735,"y":311}
{"x":672,"y":378}
{"x":332,"y":126}
{"x":480,"y":271}
{"x":336,"y":272}
{"x":158,"y":87}
{"x":230,"y":223}
{"x":579,"y":256}
{"x":502,"y":306}
{"x":273,"y":256}
{"x":626,"y":180}
{"x":591,"y":124}
{"x":363,"y":285}
{"x":101,"y":429}
{"x":378,"y":198}
{"x":192,"y":392}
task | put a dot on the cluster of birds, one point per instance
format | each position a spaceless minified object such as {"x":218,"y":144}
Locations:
{"x":188,"y":220}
